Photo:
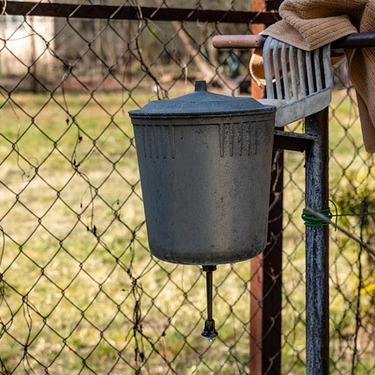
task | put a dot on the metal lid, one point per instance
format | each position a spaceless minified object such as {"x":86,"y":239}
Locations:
{"x":201,"y":103}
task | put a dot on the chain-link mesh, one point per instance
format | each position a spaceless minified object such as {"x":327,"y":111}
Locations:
{"x":80,"y":292}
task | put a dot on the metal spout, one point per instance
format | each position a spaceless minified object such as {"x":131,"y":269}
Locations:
{"x":209,"y":332}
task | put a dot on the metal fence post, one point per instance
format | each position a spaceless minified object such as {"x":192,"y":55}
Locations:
{"x":317,"y":244}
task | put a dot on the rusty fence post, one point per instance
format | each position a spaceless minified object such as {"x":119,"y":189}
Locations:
{"x":266,"y":293}
{"x":266,"y":269}
{"x":272,"y":273}
{"x":317,"y":245}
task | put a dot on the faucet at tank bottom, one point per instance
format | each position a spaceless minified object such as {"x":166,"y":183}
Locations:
{"x":209,"y":332}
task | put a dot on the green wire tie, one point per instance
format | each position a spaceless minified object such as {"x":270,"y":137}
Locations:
{"x":312,"y":221}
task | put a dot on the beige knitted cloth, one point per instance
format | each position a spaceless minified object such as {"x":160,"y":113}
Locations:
{"x":310,"y":24}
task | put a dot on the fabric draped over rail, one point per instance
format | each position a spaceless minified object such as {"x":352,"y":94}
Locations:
{"x":310,"y":24}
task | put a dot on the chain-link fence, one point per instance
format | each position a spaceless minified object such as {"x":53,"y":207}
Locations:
{"x":80,"y":292}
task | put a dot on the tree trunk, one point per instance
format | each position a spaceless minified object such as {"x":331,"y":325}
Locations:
{"x":208,"y":72}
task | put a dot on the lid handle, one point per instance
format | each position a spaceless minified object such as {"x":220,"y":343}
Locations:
{"x":200,"y":86}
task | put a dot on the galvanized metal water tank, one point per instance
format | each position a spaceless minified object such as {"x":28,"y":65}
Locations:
{"x":205,"y":165}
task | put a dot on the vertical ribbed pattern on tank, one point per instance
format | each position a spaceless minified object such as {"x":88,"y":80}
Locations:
{"x":239,"y":139}
{"x":158,"y":142}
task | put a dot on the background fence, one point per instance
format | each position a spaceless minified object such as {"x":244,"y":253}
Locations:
{"x":80,"y":292}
